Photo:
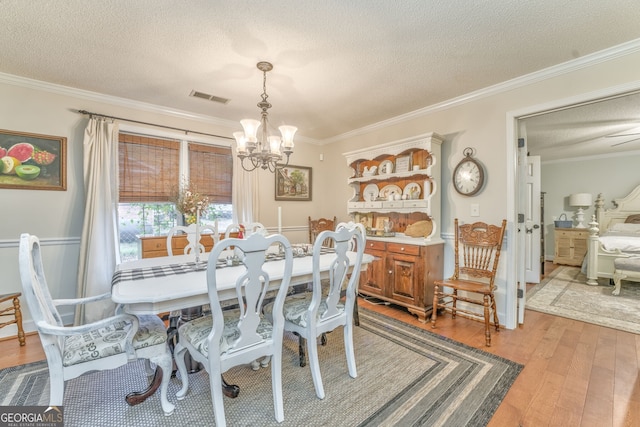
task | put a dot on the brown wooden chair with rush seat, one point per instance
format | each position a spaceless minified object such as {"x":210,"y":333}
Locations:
{"x":477,"y":253}
{"x":13,"y":310}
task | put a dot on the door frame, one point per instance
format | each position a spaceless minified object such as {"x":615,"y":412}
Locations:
{"x":513,"y":188}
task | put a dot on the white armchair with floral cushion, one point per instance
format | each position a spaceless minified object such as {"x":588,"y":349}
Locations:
{"x":236,"y":337}
{"x":312,"y":314}
{"x":106,"y":344}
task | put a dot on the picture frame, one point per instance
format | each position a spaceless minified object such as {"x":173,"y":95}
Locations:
{"x":403,"y":164}
{"x":293,"y":183}
{"x":30,"y":161}
{"x":380,"y":222}
{"x":365,"y":219}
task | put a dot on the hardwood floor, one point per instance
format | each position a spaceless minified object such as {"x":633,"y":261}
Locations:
{"x":575,"y":374}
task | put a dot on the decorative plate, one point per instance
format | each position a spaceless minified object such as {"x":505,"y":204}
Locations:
{"x":412,"y":191}
{"x":370,"y":193}
{"x":386,"y":167}
{"x":390,"y":190}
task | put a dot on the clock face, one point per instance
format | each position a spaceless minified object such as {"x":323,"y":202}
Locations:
{"x":468,"y":177}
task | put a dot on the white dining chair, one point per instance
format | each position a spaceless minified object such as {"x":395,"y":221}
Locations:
{"x":190,"y":231}
{"x":226,"y":339}
{"x":314,"y":313}
{"x":249,"y":229}
{"x":102,"y":345}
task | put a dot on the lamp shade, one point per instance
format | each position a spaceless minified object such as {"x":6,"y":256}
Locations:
{"x":580,"y":199}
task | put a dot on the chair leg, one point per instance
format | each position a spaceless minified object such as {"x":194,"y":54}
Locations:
{"x":487,"y":326}
{"x":348,"y":348}
{"x":56,"y":386}
{"x":276,"y":385}
{"x":496,"y":322}
{"x":215,"y":382}
{"x":164,"y":362}
{"x":18,"y":315}
{"x":454,"y":305}
{"x":434,"y":313}
{"x":178,"y":355}
{"x":312,"y":349}
{"x":356,"y":316}
{"x":301,"y":351}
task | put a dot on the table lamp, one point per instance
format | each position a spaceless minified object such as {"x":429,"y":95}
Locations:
{"x":580,"y":200}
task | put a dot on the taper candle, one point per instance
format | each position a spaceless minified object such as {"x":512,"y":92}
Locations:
{"x":279,"y":220}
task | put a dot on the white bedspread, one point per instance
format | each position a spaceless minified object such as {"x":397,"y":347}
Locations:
{"x":620,"y":240}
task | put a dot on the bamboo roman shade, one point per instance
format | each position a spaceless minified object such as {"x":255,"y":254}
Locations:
{"x":149,"y":168}
{"x":211,"y":170}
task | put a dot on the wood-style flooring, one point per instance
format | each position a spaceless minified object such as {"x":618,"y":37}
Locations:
{"x":575,"y":374}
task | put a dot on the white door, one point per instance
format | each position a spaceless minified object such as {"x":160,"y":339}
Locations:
{"x":532,"y":220}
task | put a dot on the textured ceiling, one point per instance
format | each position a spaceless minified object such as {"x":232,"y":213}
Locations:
{"x":339,"y":65}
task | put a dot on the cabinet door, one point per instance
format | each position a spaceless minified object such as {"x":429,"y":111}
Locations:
{"x":372,"y":281}
{"x":404,"y":274}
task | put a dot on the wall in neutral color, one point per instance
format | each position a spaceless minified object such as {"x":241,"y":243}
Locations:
{"x":613,"y":176}
{"x":57,"y":217}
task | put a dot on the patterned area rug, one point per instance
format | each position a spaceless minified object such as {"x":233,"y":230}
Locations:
{"x":565,"y":293}
{"x":406,"y":376}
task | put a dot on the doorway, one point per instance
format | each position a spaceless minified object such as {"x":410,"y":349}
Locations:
{"x":601,"y":116}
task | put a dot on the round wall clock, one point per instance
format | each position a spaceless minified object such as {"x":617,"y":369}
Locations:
{"x":468,"y":176}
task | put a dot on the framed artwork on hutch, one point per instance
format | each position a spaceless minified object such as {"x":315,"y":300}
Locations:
{"x":30,"y":161}
{"x":293,"y":183}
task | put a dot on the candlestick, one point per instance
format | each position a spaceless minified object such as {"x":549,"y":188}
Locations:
{"x":197,"y":244}
{"x":279,"y":220}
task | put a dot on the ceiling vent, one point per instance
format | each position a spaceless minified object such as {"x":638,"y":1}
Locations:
{"x":208,"y":97}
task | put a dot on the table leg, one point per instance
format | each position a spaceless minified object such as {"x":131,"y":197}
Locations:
{"x":137,"y":397}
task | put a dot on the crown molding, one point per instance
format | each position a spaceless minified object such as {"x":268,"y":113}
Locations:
{"x":621,"y":50}
{"x":113,"y":100}
{"x":618,"y":51}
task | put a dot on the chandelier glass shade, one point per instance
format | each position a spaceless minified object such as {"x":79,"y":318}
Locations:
{"x":255,"y":145}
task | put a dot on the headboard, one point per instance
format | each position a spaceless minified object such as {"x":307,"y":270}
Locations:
{"x":627,"y":207}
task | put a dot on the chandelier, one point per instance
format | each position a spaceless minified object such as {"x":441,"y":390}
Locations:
{"x":259,"y":148}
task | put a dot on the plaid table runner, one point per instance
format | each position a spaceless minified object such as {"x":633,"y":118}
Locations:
{"x":188,"y":267}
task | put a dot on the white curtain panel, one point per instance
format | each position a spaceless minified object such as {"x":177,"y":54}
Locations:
{"x":244,"y":193}
{"x":99,"y":250}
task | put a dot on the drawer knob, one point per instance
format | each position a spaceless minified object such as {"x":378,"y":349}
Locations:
{"x":402,"y":249}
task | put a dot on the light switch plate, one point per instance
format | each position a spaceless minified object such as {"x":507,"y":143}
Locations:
{"x":475,"y":209}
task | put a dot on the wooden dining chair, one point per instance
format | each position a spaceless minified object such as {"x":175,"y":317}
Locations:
{"x":317,"y":226}
{"x":106,"y":344}
{"x":312,"y":314}
{"x":230,"y":338}
{"x":14,"y":311}
{"x":477,"y":253}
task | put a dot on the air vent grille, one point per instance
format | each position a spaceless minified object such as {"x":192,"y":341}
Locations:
{"x":212,"y":98}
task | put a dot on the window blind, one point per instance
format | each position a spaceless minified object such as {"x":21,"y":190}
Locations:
{"x":149,"y":168}
{"x":211,"y":170}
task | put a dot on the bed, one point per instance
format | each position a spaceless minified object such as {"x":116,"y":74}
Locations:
{"x":614,"y":234}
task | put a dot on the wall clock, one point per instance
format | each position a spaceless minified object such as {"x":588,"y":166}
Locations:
{"x":468,"y":176}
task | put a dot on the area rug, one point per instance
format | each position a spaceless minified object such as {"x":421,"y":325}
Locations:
{"x":406,"y":376}
{"x":566,"y":294}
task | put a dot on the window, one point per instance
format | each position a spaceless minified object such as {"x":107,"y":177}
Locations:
{"x":150,"y":175}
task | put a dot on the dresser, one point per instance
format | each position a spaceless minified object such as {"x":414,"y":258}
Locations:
{"x":570,"y":245}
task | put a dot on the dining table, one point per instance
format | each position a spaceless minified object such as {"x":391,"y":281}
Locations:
{"x":165,"y":284}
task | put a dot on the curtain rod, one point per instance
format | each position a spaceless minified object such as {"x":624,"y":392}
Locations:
{"x":186,"y":131}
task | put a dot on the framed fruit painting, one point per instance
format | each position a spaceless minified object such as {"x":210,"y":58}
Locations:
{"x":32,"y":162}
